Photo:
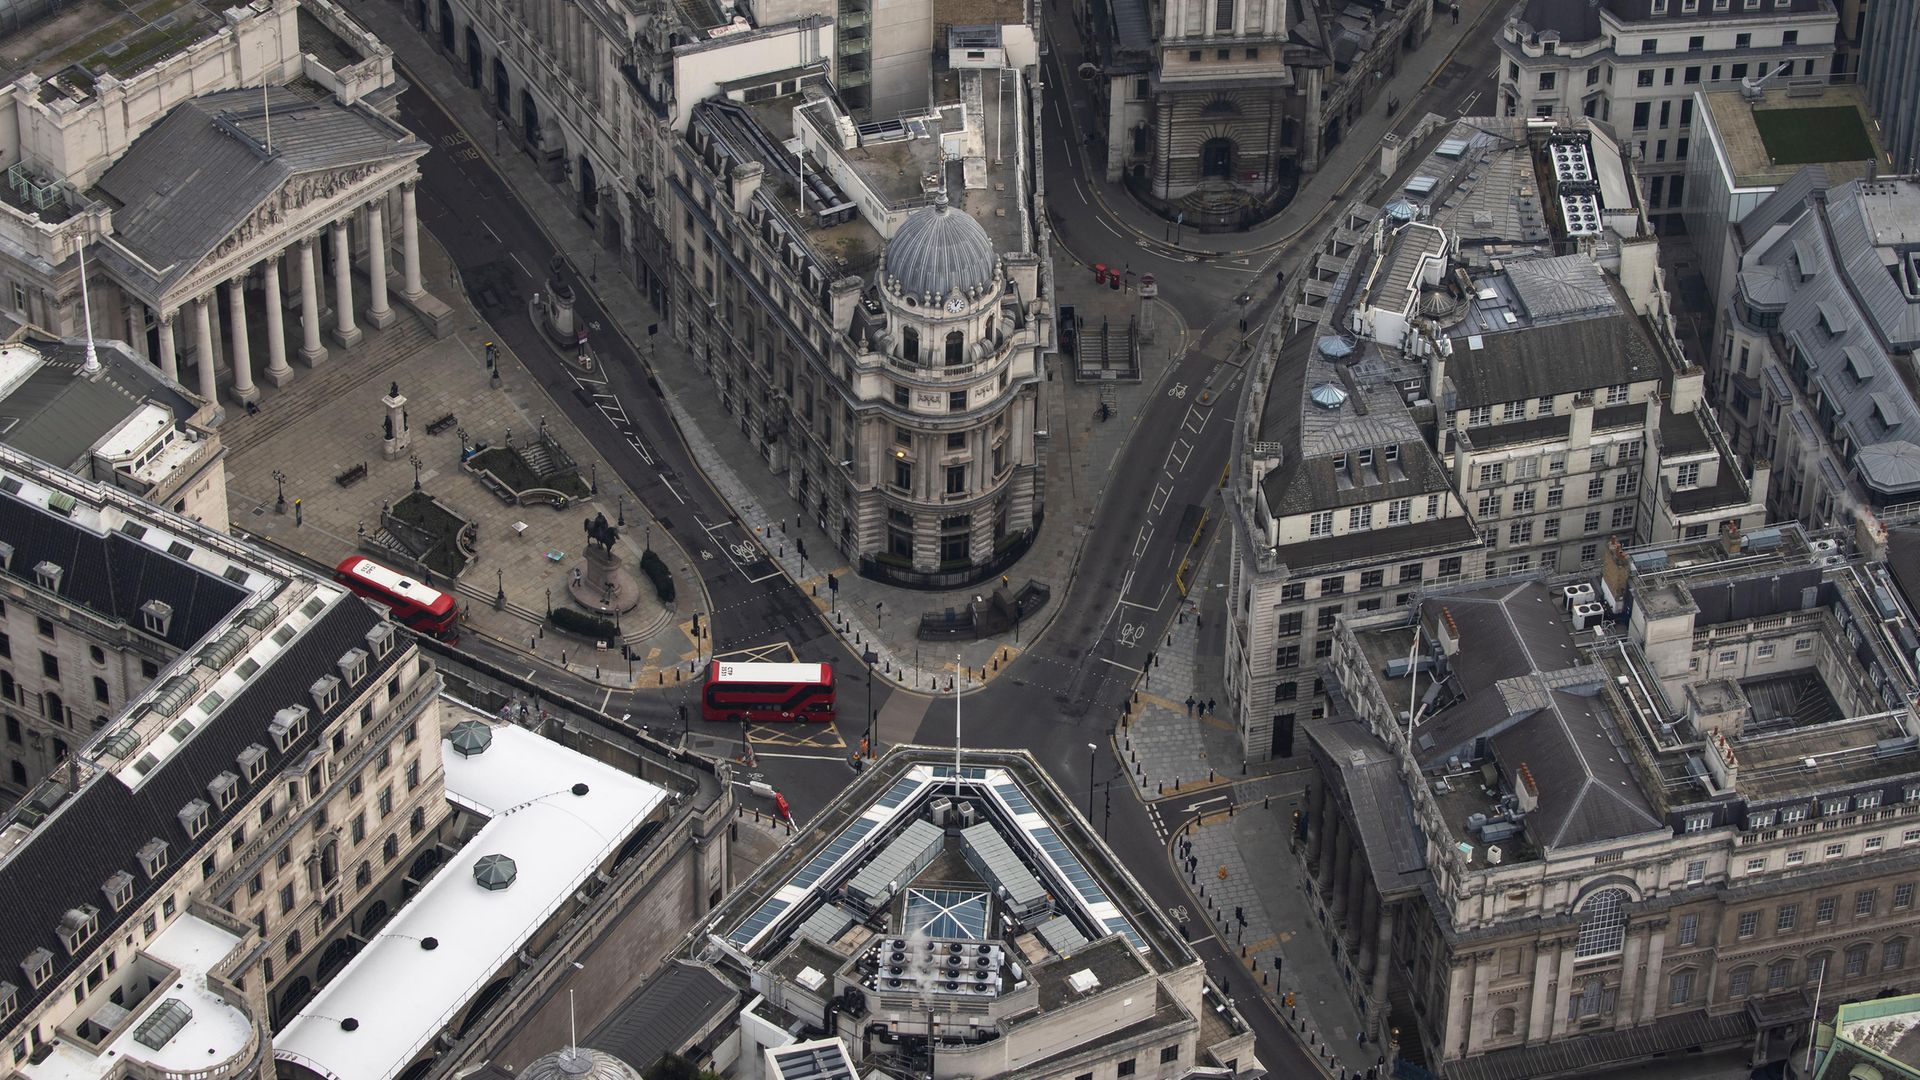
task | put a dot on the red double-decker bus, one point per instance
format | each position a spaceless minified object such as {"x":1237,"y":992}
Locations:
{"x":763,"y":693}
{"x":415,"y":605}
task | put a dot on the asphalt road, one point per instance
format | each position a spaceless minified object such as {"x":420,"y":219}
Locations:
{"x":1082,"y":670}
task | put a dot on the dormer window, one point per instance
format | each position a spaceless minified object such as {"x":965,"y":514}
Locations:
{"x":47,"y":575}
{"x":78,"y":925}
{"x":153,"y":857}
{"x":289,"y":724}
{"x":156,"y":617}
{"x":223,"y":789}
{"x":353,"y":666}
{"x":6,"y":563}
{"x":193,"y":817}
{"x":252,"y":761}
{"x":118,"y":889}
{"x":1830,"y":807}
{"x":380,"y":640}
{"x":326,"y":693}
{"x":38,"y":967}
{"x":9,"y":1000}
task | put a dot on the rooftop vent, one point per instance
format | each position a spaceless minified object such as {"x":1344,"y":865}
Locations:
{"x":156,"y":616}
{"x":494,"y":872}
{"x":810,"y":978}
{"x":47,"y":575}
{"x":470,"y":737}
{"x":1083,"y":980}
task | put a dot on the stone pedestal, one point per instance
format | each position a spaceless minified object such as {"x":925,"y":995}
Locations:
{"x":603,"y":585}
{"x":397,"y":435}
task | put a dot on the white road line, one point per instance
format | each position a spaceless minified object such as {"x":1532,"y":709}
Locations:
{"x":1159,"y":501}
{"x":1191,"y":807}
{"x":518,"y":263}
{"x":1140,"y":543}
{"x":1142,"y":607}
{"x":1120,"y":665}
{"x":609,"y":697}
{"x":803,"y":757}
{"x":1104,"y":225}
{"x":490,"y":232}
{"x":1082,"y":192}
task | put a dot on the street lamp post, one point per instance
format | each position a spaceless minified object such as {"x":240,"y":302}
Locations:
{"x":280,"y":492}
{"x":414,"y":460}
{"x":1092,"y":749}
{"x":869,"y":656}
{"x":620,"y":506}
{"x":593,"y":477}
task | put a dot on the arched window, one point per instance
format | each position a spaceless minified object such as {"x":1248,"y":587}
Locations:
{"x":1603,"y":924}
{"x":956,"y":348}
{"x":910,"y":345}
{"x":1857,"y":960}
{"x":1779,"y":973}
{"x":1680,"y":987}
{"x":1503,"y":1022}
{"x":1740,"y":983}
{"x":1893,"y":955}
{"x":1817,"y":966}
{"x":390,"y":849}
{"x":990,"y":328}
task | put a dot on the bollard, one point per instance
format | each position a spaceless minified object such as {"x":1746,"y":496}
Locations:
{"x":1263,"y":980}
{"x":1159,"y":789}
{"x":563,"y":658}
{"x":1243,"y":952}
{"x":1266,"y":803}
{"x":1209,"y":776}
{"x":596,"y":674}
{"x":663,"y":678}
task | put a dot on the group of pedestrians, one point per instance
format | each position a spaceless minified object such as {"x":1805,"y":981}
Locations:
{"x":1205,"y":707}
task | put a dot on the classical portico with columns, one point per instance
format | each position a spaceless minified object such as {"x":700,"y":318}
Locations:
{"x":238,"y":203}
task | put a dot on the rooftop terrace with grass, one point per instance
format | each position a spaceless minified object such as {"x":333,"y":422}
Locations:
{"x":75,"y":42}
{"x":1793,"y":126}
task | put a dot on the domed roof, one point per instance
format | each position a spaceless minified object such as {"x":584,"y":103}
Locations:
{"x":579,"y":1063}
{"x":938,"y":249}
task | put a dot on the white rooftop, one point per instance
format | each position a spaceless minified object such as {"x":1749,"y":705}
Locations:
{"x":216,"y":1034}
{"x":401,"y":994}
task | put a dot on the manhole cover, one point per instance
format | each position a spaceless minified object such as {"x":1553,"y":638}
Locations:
{"x":259,"y":510}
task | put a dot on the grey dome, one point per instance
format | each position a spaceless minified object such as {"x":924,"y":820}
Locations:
{"x":938,"y":249}
{"x":579,"y":1063}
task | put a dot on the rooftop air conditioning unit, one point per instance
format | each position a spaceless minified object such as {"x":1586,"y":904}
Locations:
{"x":1587,"y":615}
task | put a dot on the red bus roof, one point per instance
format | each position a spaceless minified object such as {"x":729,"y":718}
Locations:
{"x":724,"y":671}
{"x":392,"y":581}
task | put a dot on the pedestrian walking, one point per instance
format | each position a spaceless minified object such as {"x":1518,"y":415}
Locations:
{"x":1210,"y":707}
{"x":1189,"y":704}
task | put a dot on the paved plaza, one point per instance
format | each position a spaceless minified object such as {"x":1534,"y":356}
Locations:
{"x":328,"y":421}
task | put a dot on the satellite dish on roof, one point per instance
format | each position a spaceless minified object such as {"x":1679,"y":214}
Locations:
{"x":1328,"y":396}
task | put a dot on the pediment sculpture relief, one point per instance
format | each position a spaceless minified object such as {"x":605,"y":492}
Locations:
{"x":292,"y":196}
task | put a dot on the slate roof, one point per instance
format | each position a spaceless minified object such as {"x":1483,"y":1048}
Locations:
{"x":99,"y":830}
{"x":1632,"y":11}
{"x":60,"y":417}
{"x":1401,"y":542}
{"x":113,"y":575}
{"x":663,"y":1015}
{"x":1506,"y":631}
{"x":194,"y":177}
{"x":1573,"y":20}
{"x":1635,"y":1045}
{"x":1382,"y":811}
{"x":1588,"y":791}
{"x":1557,"y":358}
{"x":938,"y":249}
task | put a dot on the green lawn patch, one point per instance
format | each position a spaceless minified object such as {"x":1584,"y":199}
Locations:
{"x":1812,"y":136}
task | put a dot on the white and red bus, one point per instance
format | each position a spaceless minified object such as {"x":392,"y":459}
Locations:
{"x":414,"y":604}
{"x":763,"y":693}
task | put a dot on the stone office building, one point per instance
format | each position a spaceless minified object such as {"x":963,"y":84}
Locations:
{"x":1574,"y":847}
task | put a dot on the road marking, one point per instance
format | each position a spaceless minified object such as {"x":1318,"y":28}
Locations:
{"x":490,"y":232}
{"x":1109,"y":228}
{"x":1161,"y":493}
{"x":1120,"y":665}
{"x":1466,"y":103}
{"x":1143,"y":607}
{"x":1140,"y":542}
{"x":1191,"y":807}
{"x":1082,"y":192}
{"x":518,"y":263}
{"x":604,"y":700}
{"x":841,"y":758}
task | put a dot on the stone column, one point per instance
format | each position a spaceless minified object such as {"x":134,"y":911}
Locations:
{"x":1357,"y":890}
{"x":1459,"y":1009}
{"x":312,"y":353}
{"x":1342,"y":866}
{"x":243,"y":389}
{"x":278,"y":373}
{"x":1314,"y":827}
{"x":1367,"y":926}
{"x":345,"y":333}
{"x":169,"y":357}
{"x":1629,"y":988}
{"x":1562,"y":1022}
{"x":409,"y":245}
{"x":203,"y":342}
{"x":1382,"y":968}
{"x":1329,"y":858}
{"x":136,"y":325}
{"x":378,"y":313}
{"x":1652,"y":984}
{"x":1540,"y":1012}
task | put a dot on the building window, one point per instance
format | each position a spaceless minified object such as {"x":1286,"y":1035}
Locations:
{"x":956,"y":479}
{"x":1741,"y":984}
{"x":1603,"y":924}
{"x":1779,"y":973}
{"x":1169,"y":1054}
{"x":1321,"y":524}
{"x":1864,"y":902}
{"x":1823,"y":911}
{"x":1894,"y":954}
{"x":1687,"y":475}
{"x":1749,"y":923}
{"x":903,"y":474}
{"x":1126,"y":1068}
{"x":1680,"y":990}
{"x":1857,"y":960}
{"x":1696,"y":871}
{"x":1785,"y":918}
{"x":1689,"y":929}
{"x":1902,"y":897}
